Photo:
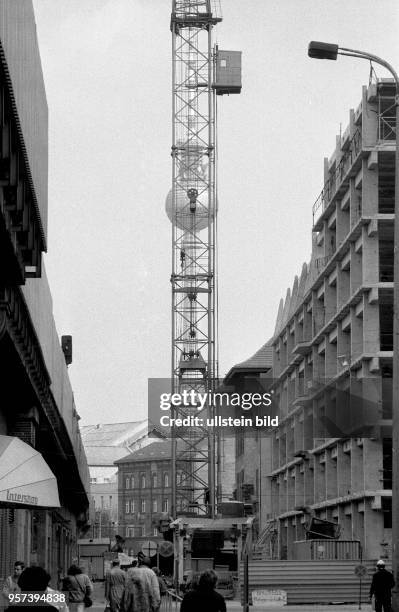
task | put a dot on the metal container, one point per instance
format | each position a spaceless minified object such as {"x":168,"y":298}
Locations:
{"x":227,"y":72}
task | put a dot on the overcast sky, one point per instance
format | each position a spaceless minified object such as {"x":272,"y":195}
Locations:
{"x":107,"y":66}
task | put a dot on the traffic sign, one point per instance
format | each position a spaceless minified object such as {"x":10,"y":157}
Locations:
{"x":361,"y":571}
{"x":165,"y":549}
{"x":149,"y":548}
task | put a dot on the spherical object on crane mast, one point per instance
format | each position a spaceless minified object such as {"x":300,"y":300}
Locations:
{"x":189,"y":207}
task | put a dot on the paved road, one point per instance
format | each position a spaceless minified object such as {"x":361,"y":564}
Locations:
{"x":235,"y":606}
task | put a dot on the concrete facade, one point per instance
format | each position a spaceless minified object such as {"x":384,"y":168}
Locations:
{"x":334,"y":330}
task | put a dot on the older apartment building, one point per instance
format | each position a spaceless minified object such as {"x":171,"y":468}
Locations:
{"x":144,"y":494}
{"x":332,"y":349}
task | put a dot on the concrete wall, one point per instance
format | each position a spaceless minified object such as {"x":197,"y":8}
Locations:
{"x":38,"y":298}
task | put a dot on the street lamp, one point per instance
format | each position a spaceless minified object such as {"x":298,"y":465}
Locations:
{"x":322,"y":50}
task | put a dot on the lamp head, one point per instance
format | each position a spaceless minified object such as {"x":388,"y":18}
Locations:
{"x":322,"y":50}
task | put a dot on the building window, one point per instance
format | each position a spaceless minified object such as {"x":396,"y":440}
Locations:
{"x":132,"y":482}
{"x":165,"y":505}
{"x":143,"y":505}
{"x":154,"y":480}
{"x":127,"y":507}
{"x":154,"y":505}
{"x":132,"y":506}
{"x":129,"y":532}
{"x":155,"y":531}
{"x":127,"y":482}
{"x":142,"y":480}
{"x":166,"y":479}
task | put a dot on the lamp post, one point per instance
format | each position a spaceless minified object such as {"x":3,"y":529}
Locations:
{"x":321,"y":50}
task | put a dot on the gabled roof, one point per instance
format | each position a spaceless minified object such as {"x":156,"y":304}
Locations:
{"x":260,"y":362}
{"x":104,"y":456}
{"x":151,"y":452}
{"x":111,"y":434}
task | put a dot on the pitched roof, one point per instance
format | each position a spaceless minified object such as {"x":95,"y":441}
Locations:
{"x":151,"y":452}
{"x":261,"y":361}
{"x":104,"y":455}
{"x":111,"y":434}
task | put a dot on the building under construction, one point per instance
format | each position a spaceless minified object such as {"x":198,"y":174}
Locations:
{"x":333,"y":341}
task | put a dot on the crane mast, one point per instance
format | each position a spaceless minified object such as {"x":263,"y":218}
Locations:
{"x":191,"y":206}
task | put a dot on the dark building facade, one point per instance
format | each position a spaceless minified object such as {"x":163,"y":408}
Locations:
{"x":144,"y":493}
{"x":43,"y":469}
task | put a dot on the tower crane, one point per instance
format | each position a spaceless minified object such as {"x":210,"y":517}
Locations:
{"x":200,"y":72}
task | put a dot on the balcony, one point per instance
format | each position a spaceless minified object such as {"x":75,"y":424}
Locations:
{"x":303,"y":348}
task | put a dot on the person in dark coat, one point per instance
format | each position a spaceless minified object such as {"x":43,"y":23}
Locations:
{"x":381,"y":587}
{"x":204,"y":597}
{"x":35,"y":578}
{"x":77,"y":586}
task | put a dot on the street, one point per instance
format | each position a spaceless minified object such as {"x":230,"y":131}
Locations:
{"x":99,"y":604}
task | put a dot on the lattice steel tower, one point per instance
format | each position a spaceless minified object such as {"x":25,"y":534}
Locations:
{"x":191,"y":206}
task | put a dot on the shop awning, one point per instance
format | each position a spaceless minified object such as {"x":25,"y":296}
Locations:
{"x":25,"y":477}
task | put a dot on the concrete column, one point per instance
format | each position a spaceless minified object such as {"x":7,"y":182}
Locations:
{"x":373,"y":531}
{"x":355,"y":203}
{"x":370,"y":257}
{"x":355,"y":270}
{"x":319,"y":480}
{"x":344,"y":470}
{"x":372,"y":457}
{"x":369,"y":121}
{"x":343,"y":219}
{"x":356,"y":335}
{"x":309,"y":482}
{"x":330,"y":300}
{"x":331,"y":359}
{"x":357,"y":475}
{"x":331,"y":476}
{"x":343,"y":287}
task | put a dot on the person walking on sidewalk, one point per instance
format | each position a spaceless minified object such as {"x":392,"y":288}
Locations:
{"x":10,"y":585}
{"x":204,"y":597}
{"x":142,"y":590}
{"x":79,"y":589}
{"x":381,"y":587}
{"x":115,"y":581}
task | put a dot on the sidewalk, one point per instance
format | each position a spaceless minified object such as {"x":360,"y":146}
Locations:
{"x":235,"y":605}
{"x":99,"y":605}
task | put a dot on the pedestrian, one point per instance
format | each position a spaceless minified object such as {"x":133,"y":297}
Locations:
{"x":381,"y":586}
{"x":141,"y":592}
{"x":10,"y":585}
{"x":204,"y":597}
{"x":78,"y":588}
{"x":35,"y":579}
{"x":115,"y":581}
{"x":161,"y":582}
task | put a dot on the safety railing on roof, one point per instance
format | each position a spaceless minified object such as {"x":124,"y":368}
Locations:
{"x":337,"y":175}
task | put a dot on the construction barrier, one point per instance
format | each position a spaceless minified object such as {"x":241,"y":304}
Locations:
{"x":321,"y":581}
